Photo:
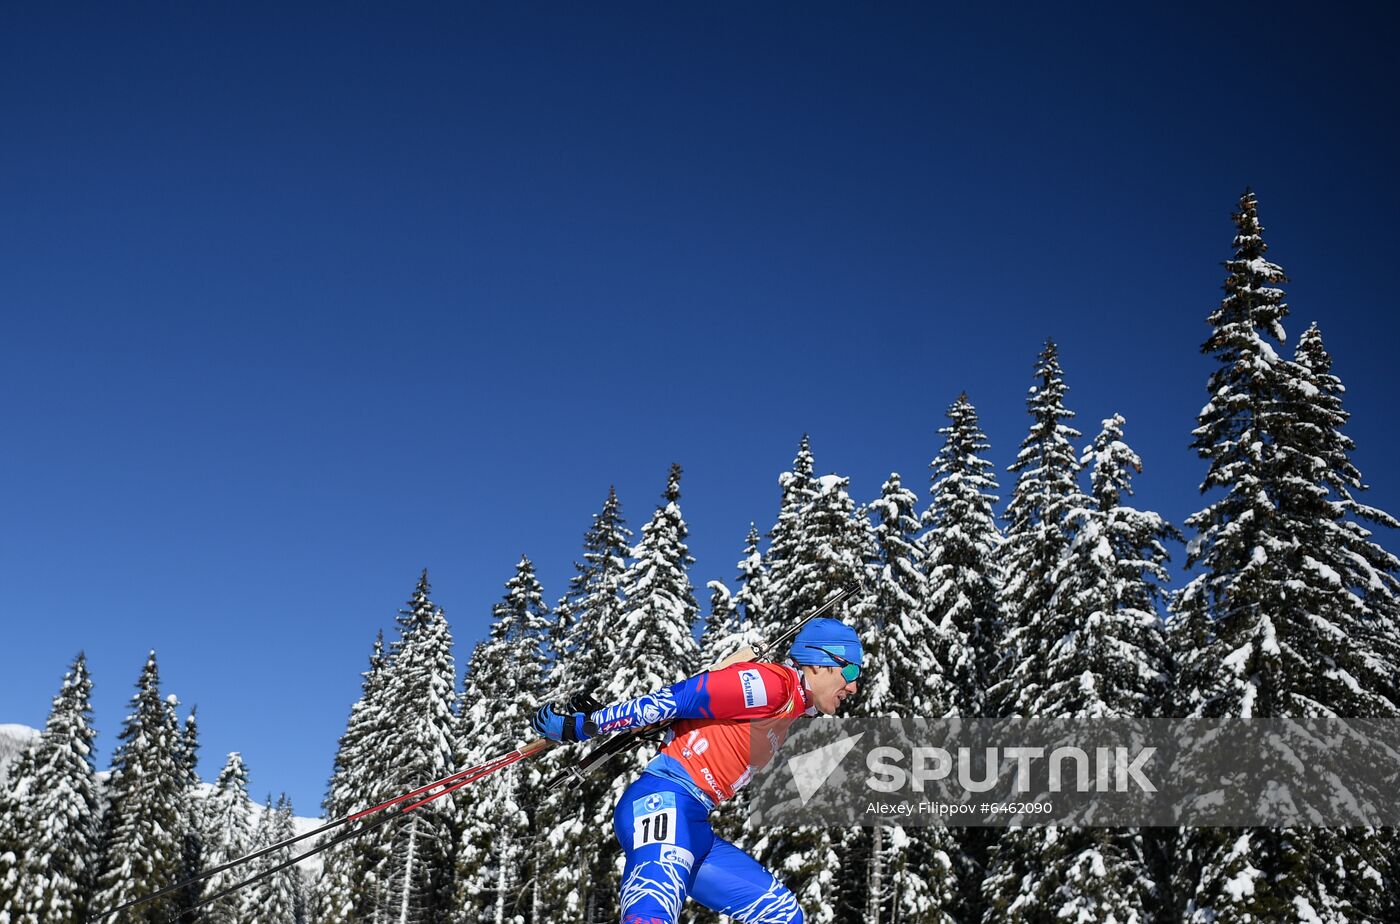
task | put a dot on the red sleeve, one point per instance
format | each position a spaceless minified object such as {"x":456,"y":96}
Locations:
{"x":752,"y":690}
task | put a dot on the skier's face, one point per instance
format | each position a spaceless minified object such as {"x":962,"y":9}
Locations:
{"x":828,"y":687}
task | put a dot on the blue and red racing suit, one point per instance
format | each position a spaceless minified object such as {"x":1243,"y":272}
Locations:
{"x":725,"y":723}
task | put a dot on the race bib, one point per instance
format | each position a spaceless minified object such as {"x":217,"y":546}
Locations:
{"x":654,"y":820}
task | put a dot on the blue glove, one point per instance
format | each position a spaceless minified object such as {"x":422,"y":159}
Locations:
{"x":561,"y":726}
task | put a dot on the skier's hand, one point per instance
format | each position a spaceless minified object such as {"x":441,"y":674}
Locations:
{"x":585,"y":703}
{"x":560,"y":726}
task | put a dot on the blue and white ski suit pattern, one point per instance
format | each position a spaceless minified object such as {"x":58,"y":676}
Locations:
{"x":662,"y":820}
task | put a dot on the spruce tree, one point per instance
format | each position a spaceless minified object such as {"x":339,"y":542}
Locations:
{"x":226,"y":832}
{"x":1349,"y":583}
{"x":51,"y":811}
{"x":1108,"y":655}
{"x":962,"y":545}
{"x":901,"y":643}
{"x":1373,"y":659}
{"x":499,"y":849}
{"x":401,"y":872}
{"x":1037,"y":538}
{"x":143,"y":828}
{"x":275,"y":898}
{"x":654,"y":647}
{"x":904,"y":874}
{"x":722,"y":630}
{"x":589,"y":617}
{"x":1076,"y":633}
{"x":419,"y":695}
{"x":1105,"y":656}
{"x":187,"y":753}
{"x":750,"y":600}
{"x":590,"y":613}
{"x":799,"y":489}
{"x":13,"y":836}
{"x":1272,"y":625}
{"x":820,"y":547}
{"x":656,"y":642}
{"x":734,"y":617}
{"x":347,"y":886}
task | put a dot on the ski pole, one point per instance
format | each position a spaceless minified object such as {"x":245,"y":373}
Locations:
{"x":455,"y":781}
{"x":485,"y":770}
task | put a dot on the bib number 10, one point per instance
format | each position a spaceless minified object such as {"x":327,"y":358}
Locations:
{"x":655,"y":828}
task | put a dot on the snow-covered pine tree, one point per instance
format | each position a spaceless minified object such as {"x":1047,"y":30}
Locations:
{"x":1056,"y":565}
{"x":655,"y":647}
{"x":192,"y":864}
{"x":751,"y":598}
{"x":799,"y":488}
{"x":13,"y":837}
{"x":1109,"y":656}
{"x":1271,"y":626}
{"x":659,"y":614}
{"x":497,"y":877}
{"x":823,"y":547}
{"x":143,"y":828}
{"x":905,"y":874}
{"x":1371,"y":570}
{"x":1238,"y":591}
{"x":962,"y":545}
{"x":419,"y":694}
{"x":1037,"y":538}
{"x":902,"y":643}
{"x":276,"y":898}
{"x":734,"y":617}
{"x":226,"y":832}
{"x":1368,"y":571}
{"x":820,"y":547}
{"x":1105,"y":656}
{"x":720,"y":635}
{"x":51,"y":809}
{"x":1348,"y":581}
{"x":589,"y":618}
{"x":346,"y":889}
{"x":590,"y":614}
{"x":188,"y":747}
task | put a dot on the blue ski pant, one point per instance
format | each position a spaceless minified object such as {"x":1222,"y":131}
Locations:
{"x":672,"y":853}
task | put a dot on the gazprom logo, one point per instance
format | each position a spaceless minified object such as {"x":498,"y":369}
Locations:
{"x":755,"y":693}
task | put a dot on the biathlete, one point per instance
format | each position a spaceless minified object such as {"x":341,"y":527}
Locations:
{"x":711,"y":750}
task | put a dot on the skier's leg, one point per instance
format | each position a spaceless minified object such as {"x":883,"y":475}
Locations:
{"x":664,"y":832}
{"x":732,"y":882}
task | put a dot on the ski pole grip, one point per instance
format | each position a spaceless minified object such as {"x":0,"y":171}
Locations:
{"x":531,"y":748}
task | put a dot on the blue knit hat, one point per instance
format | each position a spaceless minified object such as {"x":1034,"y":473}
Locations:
{"x":831,"y":634}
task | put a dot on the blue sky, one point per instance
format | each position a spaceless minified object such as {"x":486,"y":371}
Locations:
{"x":298,"y":302}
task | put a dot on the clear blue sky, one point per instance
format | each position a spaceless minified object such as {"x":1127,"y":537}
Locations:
{"x":298,"y":302}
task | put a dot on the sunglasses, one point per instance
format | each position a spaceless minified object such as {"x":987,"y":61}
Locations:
{"x":849,"y":669}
